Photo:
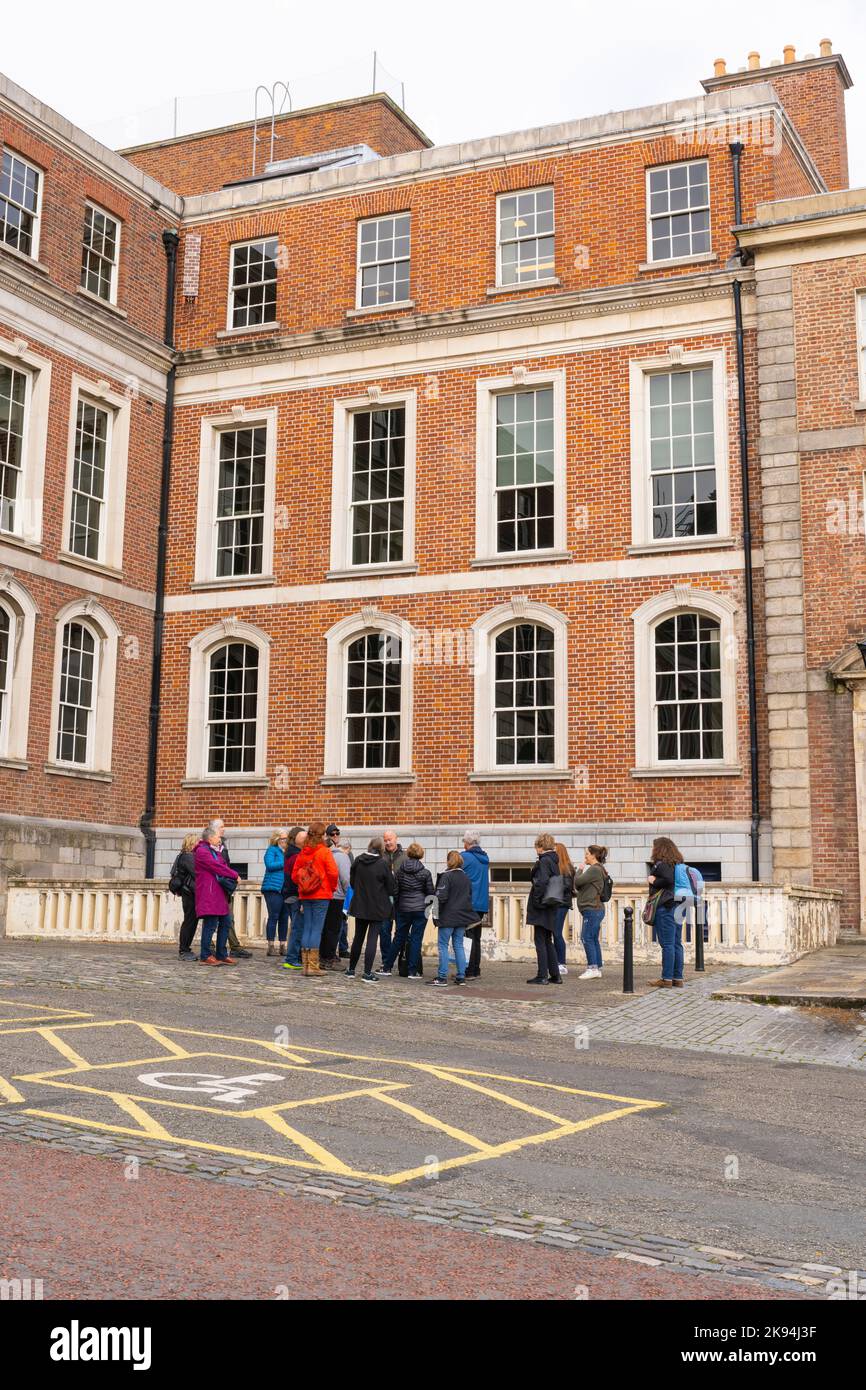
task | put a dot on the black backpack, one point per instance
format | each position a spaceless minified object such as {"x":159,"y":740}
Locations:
{"x":607,"y":890}
{"x":177,"y":882}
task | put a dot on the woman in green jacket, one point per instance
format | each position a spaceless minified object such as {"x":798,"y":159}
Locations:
{"x":588,"y":886}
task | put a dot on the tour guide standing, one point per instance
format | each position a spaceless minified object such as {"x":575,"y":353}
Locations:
{"x":211,"y":898}
{"x":315,"y":873}
{"x":394,"y":855}
{"x":476,"y":866}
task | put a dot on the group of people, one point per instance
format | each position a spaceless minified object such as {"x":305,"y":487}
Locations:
{"x":313,"y":883}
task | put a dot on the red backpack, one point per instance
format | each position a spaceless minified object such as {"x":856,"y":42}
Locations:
{"x":309,"y":879}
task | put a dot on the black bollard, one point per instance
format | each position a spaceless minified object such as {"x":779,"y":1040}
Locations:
{"x":700,"y":912}
{"x":628,"y":950}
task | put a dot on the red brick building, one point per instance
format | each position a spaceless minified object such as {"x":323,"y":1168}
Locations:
{"x":456,"y":530}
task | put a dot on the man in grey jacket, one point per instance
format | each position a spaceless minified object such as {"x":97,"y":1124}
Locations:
{"x":329,"y":956}
{"x":394,"y":857}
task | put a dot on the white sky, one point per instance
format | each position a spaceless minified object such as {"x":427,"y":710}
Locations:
{"x":469,"y":69}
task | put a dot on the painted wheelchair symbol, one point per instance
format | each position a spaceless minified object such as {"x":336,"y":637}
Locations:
{"x":231,"y":1090}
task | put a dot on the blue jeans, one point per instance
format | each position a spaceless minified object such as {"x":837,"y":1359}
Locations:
{"x":313,"y":913}
{"x":590,"y":925}
{"x":296,"y":920}
{"x":559,"y":933}
{"x":409,"y":924}
{"x":447,"y":935}
{"x":385,"y":939}
{"x":221,"y":926}
{"x":278,"y":915}
{"x":669,"y":933}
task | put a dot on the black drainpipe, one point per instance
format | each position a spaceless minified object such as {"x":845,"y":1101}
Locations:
{"x":736,"y":149}
{"x":169,"y":241}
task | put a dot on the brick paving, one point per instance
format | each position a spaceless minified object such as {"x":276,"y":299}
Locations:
{"x":699,"y":1268}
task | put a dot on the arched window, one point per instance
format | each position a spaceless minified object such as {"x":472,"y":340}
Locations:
{"x":85,"y":670}
{"x":233,"y":699}
{"x":77,"y":703}
{"x":17,"y":627}
{"x":373,"y":704}
{"x":524,"y":704}
{"x":368,"y":728}
{"x":227,"y":728}
{"x":688,"y":688}
{"x":685,"y":683}
{"x":521,"y":693}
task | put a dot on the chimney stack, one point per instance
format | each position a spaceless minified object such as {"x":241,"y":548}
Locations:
{"x":789,"y":53}
{"x":826,"y":48}
{"x":719,"y":69}
{"x":754,"y":60}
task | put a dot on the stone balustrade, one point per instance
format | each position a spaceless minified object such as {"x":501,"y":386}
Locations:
{"x":748,"y":923}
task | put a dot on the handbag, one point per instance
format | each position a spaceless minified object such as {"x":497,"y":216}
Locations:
{"x":554,"y":893}
{"x":652,"y":904}
{"x":228,"y":885}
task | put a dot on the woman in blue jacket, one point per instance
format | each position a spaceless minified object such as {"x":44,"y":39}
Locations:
{"x":272,"y":892}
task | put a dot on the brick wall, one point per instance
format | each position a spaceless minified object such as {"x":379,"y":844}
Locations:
{"x":203,"y":163}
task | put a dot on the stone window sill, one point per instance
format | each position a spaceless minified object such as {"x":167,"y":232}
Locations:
{"x":250,"y":328}
{"x":241,"y":581}
{"x":24,"y":259}
{"x":81,"y":562}
{"x":525,"y":557}
{"x":9,"y":538}
{"x":361,"y":779}
{"x":699,"y":543}
{"x":103,"y":303}
{"x":363,"y":571}
{"x":860,"y":405}
{"x":15,"y":764}
{"x":520,"y":774}
{"x":86,"y":773}
{"x":380,"y":308}
{"x":689,"y":770}
{"x":550,"y":283}
{"x":238,"y":779}
{"x":703,"y":259}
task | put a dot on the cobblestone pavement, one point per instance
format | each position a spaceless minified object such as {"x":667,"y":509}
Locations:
{"x":173,"y":1235}
{"x":762,"y":1277}
{"x":686,"y":1019}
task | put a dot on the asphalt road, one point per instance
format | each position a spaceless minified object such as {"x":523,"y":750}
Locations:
{"x":716,"y":1150}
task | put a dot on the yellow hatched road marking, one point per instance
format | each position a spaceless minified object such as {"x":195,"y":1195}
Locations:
{"x":153,"y":1032}
{"x":151,"y":1126}
{"x":8,"y":1092}
{"x":324,"y":1100}
{"x":451,"y":1130}
{"x":79,"y":1063}
{"x":496,"y":1095}
{"x":323,"y":1156}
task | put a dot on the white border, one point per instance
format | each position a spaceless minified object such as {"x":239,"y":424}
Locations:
{"x":117,"y":458}
{"x":115,"y":269}
{"x":341,"y":477}
{"x":206,"y":528}
{"x":106,"y":635}
{"x":28,"y":519}
{"x":515,"y":193}
{"x":201,"y":649}
{"x":677,"y":164}
{"x":338,"y":637}
{"x":485,"y":630}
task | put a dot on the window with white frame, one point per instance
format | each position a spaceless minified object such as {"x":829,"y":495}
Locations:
{"x":524,"y":470}
{"x":524,"y":691}
{"x":85,"y":671}
{"x":233,"y":701}
{"x":77,"y":703}
{"x":253,"y":293}
{"x":13,"y":407}
{"x":861,"y":341}
{"x":20,"y":200}
{"x":373,"y":691}
{"x":678,"y":210}
{"x":240,"y":501}
{"x":373,"y":483}
{"x":18,"y":615}
{"x":688,"y":689}
{"x":89,"y":470}
{"x":682,"y":454}
{"x":525,"y":237}
{"x":680,"y":485}
{"x":685,"y":683}
{"x":383,"y":260}
{"x":378,"y":485}
{"x":100,"y":253}
{"x":368,"y":726}
{"x":521,"y":692}
{"x":228,"y":705}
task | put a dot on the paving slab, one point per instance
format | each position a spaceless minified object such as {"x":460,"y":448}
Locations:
{"x":834,"y":977}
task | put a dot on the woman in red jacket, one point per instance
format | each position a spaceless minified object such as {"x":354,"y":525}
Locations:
{"x":315,"y":872}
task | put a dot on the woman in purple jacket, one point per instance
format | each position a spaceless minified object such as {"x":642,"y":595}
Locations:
{"x":211,"y":899}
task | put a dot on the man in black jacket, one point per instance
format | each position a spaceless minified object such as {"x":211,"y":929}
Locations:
{"x":373,"y":889}
{"x":395,"y":856}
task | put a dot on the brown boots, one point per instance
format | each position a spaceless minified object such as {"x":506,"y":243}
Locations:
{"x":310,"y":962}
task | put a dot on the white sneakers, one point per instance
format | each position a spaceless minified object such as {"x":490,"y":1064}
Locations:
{"x":592,"y":972}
